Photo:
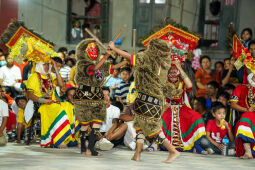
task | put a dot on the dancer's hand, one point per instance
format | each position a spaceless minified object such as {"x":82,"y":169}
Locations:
{"x":111,"y":45}
{"x":177,"y":63}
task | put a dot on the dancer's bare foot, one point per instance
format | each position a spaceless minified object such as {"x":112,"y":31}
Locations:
{"x":62,"y":146}
{"x":246,"y":156}
{"x":172,"y":156}
{"x":88,"y":153}
{"x":136,"y":157}
{"x":79,"y":145}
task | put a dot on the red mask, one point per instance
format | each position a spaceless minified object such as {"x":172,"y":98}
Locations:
{"x":92,"y":51}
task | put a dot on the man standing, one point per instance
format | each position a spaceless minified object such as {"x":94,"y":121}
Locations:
{"x":9,"y":76}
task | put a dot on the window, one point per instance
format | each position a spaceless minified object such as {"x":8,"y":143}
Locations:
{"x":91,"y":14}
{"x":148,"y":14}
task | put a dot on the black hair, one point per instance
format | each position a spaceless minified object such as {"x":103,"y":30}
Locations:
{"x":216,"y":106}
{"x":225,"y":59}
{"x":223,"y":94}
{"x":248,"y":30}
{"x":214,"y":84}
{"x":203,"y":57}
{"x":125,"y":69}
{"x":201,"y":101}
{"x":20,"y":97}
{"x":251,"y":42}
{"x":62,"y":49}
{"x":71,"y":52}
{"x":219,"y":62}
{"x":6,"y":55}
{"x":57,"y":59}
{"x":228,"y":87}
{"x":2,"y":51}
{"x":106,"y":88}
{"x":70,"y":59}
{"x":118,"y":105}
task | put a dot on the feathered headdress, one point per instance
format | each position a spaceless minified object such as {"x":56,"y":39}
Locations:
{"x":24,"y":43}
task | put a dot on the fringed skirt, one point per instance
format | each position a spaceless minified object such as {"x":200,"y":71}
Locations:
{"x":147,"y":111}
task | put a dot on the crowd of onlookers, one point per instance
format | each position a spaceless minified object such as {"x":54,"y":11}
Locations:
{"x":213,"y":87}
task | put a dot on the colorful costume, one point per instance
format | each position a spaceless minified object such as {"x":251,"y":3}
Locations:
{"x":151,"y":69}
{"x":183,"y":126}
{"x":244,"y":96}
{"x":57,"y":119}
{"x":88,"y":100}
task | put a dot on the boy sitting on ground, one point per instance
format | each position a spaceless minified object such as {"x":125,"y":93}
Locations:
{"x":216,"y":129}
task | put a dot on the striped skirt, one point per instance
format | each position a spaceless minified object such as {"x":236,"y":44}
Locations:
{"x":183,"y":127}
{"x":58,"y":125}
{"x":245,"y":133}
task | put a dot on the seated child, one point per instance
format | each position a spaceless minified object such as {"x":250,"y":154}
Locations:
{"x":216,"y":129}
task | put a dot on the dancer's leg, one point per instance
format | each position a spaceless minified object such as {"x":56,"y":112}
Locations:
{"x":139,"y":146}
{"x":83,"y":134}
{"x":92,"y":140}
{"x":247,"y":154}
{"x":173,"y":153}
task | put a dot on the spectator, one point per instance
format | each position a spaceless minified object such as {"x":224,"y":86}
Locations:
{"x":199,"y":106}
{"x":9,"y":76}
{"x":203,"y":76}
{"x":229,"y":88}
{"x":216,"y":129}
{"x":251,"y":48}
{"x":63,"y":50}
{"x":113,"y":81}
{"x":21,"y":101}
{"x":71,"y":55}
{"x":218,"y":68}
{"x":246,"y":36}
{"x":3,"y":120}
{"x":223,"y":97}
{"x":212,"y":88}
{"x":123,"y":87}
{"x":2,"y":61}
{"x":62,"y":56}
{"x":112,"y":131}
{"x":65,"y":71}
{"x":11,"y":123}
{"x":71,"y":77}
{"x":128,"y":118}
{"x":77,"y":33}
{"x":229,"y":74}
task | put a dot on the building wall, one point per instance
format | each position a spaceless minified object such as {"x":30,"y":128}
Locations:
{"x":47,"y":17}
{"x":246,"y":16}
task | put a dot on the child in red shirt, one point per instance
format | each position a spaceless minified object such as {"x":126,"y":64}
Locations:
{"x":216,"y":129}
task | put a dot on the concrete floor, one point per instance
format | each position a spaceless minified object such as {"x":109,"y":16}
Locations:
{"x":16,"y":156}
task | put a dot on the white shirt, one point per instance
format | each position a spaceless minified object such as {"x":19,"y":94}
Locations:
{"x":112,"y":112}
{"x":3,"y":111}
{"x":10,"y":75}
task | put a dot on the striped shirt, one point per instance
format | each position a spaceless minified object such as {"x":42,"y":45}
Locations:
{"x":122,"y":91}
{"x":65,"y":72}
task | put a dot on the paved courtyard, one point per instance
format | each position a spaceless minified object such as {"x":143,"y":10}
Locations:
{"x":16,"y":156}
